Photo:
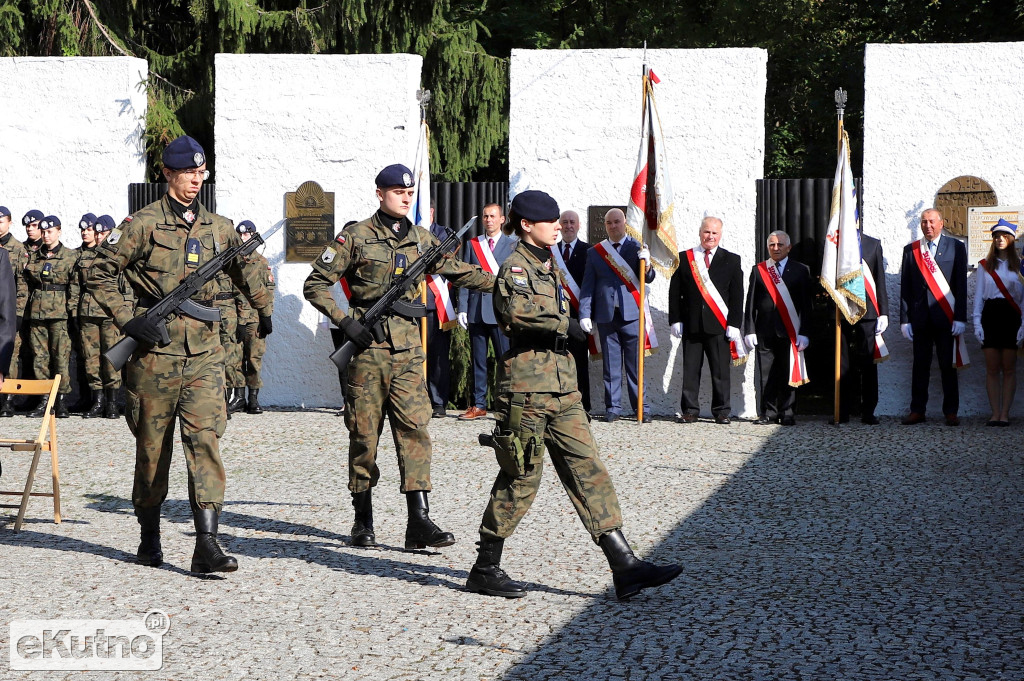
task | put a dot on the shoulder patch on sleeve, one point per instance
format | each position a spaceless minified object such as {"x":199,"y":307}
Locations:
{"x":328,"y":255}
{"x":115,"y":236}
{"x":516,"y":270}
{"x":340,"y":239}
{"x":128,"y":219}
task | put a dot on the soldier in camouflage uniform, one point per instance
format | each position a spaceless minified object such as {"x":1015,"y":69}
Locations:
{"x":53,"y":299}
{"x":388,"y":374}
{"x":539,"y":408}
{"x":234,"y":383}
{"x":96,"y":327}
{"x":18,"y":257}
{"x":253,"y":346}
{"x":156,"y":248}
{"x":31,"y":221}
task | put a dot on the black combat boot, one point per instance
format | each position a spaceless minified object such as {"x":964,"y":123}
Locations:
{"x":208,"y":556}
{"x":149,"y":552}
{"x":99,"y":403}
{"x":39,"y":409}
{"x":421,"y":531}
{"x":6,"y":406}
{"x":253,"y":407}
{"x":59,"y":409}
{"x":236,"y":402}
{"x":362,"y":528}
{"x":487,"y":577}
{"x":110,"y":410}
{"x":630,"y":574}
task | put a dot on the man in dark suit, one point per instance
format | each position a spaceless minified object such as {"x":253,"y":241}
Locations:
{"x":574,"y":255}
{"x":767,"y":331}
{"x":924,"y":320}
{"x":8,"y":312}
{"x":476,"y":313}
{"x":858,"y":370}
{"x":698,"y":325}
{"x":607,"y":302}
{"x":438,"y":342}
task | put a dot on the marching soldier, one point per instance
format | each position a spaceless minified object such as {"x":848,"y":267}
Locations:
{"x":253,"y":346}
{"x":388,"y":374}
{"x":18,"y":257}
{"x":156,"y":248}
{"x":53,"y":299}
{"x":539,"y":409}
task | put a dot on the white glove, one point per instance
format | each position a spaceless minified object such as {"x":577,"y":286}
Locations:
{"x":645,"y":253}
{"x":677,"y":330}
{"x":958,"y":328}
{"x":751,"y":340}
{"x":587,"y":325}
{"x":732,"y":333}
{"x":907,"y":332}
{"x":802,"y":342}
{"x":464,"y":320}
{"x":980,"y":333}
{"x":1020,"y":335}
{"x":881,"y":324}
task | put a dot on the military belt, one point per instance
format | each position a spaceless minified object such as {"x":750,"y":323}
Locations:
{"x":54,"y":287}
{"x":224,"y":296}
{"x":148,"y":301}
{"x":559,"y":344}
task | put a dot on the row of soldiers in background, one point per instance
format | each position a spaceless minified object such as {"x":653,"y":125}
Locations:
{"x":57,"y":313}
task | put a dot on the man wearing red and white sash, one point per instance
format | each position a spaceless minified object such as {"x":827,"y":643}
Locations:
{"x":573,"y":252}
{"x":608,"y":300}
{"x":862,"y":346}
{"x":778,"y":300}
{"x":476,"y":312}
{"x":933,"y":312}
{"x":705,"y":310}
{"x":439,"y":336}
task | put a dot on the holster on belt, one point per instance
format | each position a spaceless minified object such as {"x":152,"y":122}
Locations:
{"x":514,"y":449}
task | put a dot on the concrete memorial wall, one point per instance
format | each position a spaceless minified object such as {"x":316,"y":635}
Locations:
{"x":575,"y":132}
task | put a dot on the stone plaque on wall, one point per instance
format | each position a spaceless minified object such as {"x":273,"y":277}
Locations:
{"x":959,"y":194}
{"x":309,"y":226}
{"x":979,"y":228}
{"x":595,"y":222}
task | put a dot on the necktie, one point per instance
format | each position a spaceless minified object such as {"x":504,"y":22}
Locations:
{"x":490,"y":243}
{"x":931,"y":248}
{"x":565,"y":252}
{"x":707,"y":259}
{"x":616,"y":246}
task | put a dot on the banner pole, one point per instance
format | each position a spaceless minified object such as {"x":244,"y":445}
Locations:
{"x":840,"y":108}
{"x":643,"y":287}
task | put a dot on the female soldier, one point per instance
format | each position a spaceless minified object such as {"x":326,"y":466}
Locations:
{"x":539,"y":408}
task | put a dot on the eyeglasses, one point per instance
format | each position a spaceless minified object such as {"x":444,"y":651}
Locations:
{"x":201,"y":174}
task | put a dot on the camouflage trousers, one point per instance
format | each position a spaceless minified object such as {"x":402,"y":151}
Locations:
{"x":15,"y":358}
{"x":253,"y":349}
{"x":232,"y":348}
{"x":380,"y":380}
{"x":51,"y":350}
{"x":98,"y":336}
{"x":160,"y":388}
{"x":570,"y":444}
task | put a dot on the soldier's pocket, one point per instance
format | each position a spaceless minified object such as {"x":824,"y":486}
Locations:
{"x":168,"y":251}
{"x":131,"y":409}
{"x":376,"y":267}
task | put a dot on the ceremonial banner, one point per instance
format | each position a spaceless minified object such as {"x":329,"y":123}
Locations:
{"x":420,"y":213}
{"x":841,"y":271}
{"x":439,"y":287}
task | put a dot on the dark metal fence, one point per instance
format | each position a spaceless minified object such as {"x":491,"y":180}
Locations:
{"x":144,"y":193}
{"x":457,"y":202}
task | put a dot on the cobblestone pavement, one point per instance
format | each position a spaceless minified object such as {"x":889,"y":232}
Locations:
{"x":814,"y":552}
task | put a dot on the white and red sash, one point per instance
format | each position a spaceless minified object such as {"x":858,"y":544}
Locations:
{"x":572,"y":292}
{"x":624,"y":272}
{"x":779,"y":292}
{"x":714,"y":300}
{"x":881,"y":353}
{"x":943,"y":295}
{"x":484,"y":255}
{"x":1000,"y":285}
{"x":440,"y":288}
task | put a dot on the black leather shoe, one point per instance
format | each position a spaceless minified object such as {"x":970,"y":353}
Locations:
{"x":362,"y":528}
{"x":39,"y":409}
{"x":611,"y":417}
{"x":99,"y":404}
{"x":869,"y":420}
{"x":723,"y":420}
{"x":60,"y":410}
{"x":629,"y":574}
{"x":6,"y":406}
{"x":764,"y":421}
{"x":253,"y":405}
{"x":687,"y":418}
{"x":487,"y":577}
{"x":439,"y":413}
{"x":111,"y":410}
{"x":237,"y":401}
{"x":149,"y":552}
{"x":208,"y":555}
{"x":912,"y":419}
{"x":787,"y":421}
{"x":421,"y":531}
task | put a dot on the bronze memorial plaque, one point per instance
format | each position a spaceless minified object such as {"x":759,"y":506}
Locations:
{"x":959,"y":194}
{"x":309,"y":222}
{"x":595,"y":222}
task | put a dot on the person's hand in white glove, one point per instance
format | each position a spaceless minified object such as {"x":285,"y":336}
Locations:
{"x":751,"y":340}
{"x":802,"y":342}
{"x":587,"y":325}
{"x":907,"y":331}
{"x":881,"y":324}
{"x":732,"y":333}
{"x":677,"y":330}
{"x":645,"y":253}
{"x":979,"y":333}
{"x":464,"y":320}
{"x":958,"y":328}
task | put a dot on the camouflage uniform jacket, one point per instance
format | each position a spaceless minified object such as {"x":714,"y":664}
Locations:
{"x":366,"y":254}
{"x":19,"y":258}
{"x":53,"y":289}
{"x":156,"y":250}
{"x":88,"y":306}
{"x":247,"y":315}
{"x":532,"y":310}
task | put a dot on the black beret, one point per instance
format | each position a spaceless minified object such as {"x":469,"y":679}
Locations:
{"x":182,"y":153}
{"x":88,"y":220}
{"x":535,"y":206}
{"x":104,"y":223}
{"x":395,"y":175}
{"x":32,"y":216}
{"x":4,"y":212}
{"x":245,"y":227}
{"x":49,"y":221}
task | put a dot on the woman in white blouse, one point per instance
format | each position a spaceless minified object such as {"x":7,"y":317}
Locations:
{"x":998,"y":298}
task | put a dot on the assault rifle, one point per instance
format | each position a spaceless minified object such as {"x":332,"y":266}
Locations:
{"x":391,"y":302}
{"x":180,"y":299}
